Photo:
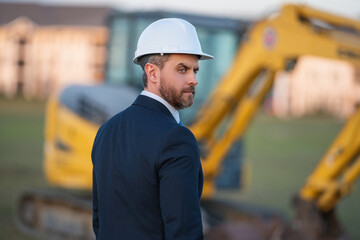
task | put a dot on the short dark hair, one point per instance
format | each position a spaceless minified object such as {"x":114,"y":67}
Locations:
{"x":156,"y":59}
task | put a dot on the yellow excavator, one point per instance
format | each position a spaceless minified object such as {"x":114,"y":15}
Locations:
{"x":268,"y":46}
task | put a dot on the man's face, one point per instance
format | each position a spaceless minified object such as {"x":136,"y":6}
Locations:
{"x":178,"y":80}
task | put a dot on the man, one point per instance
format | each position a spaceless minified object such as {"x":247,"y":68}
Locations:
{"x":147,"y":176}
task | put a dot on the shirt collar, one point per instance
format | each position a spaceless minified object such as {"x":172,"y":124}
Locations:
{"x":173,"y":111}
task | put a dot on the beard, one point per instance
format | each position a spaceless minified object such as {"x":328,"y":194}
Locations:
{"x":177,"y":99}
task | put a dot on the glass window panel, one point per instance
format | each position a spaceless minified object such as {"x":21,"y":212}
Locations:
{"x":117,"y":51}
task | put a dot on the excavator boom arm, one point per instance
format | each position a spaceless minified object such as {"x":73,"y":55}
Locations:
{"x":271,"y":45}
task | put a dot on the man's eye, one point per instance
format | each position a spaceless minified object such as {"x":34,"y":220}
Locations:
{"x":182,"y":70}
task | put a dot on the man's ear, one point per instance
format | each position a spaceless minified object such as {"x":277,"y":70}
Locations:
{"x":152,"y":72}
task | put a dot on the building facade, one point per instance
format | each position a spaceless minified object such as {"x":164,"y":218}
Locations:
{"x":46,"y":48}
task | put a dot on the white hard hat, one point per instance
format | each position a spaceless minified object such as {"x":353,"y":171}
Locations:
{"x":169,"y":35}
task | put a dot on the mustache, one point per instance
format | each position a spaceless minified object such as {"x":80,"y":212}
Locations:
{"x":190,"y":89}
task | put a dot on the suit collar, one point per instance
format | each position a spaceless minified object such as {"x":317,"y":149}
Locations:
{"x":153,"y":104}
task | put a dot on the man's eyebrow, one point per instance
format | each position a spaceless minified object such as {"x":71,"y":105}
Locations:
{"x":183,"y":65}
{"x":188,"y":67}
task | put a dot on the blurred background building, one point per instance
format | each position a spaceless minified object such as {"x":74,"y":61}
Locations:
{"x":45,"y":48}
{"x":317,"y":85}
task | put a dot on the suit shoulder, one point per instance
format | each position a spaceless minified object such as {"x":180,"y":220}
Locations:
{"x":179,"y":144}
{"x":177,"y":130}
{"x":111,"y":123}
{"x":116,"y":118}
{"x":179,"y":134}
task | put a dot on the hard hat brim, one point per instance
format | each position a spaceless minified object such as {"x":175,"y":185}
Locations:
{"x":202,"y":56}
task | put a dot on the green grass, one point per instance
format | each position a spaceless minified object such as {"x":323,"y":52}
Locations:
{"x":281,"y":153}
{"x":21,"y":139}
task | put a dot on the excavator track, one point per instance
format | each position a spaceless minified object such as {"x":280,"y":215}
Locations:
{"x":54,"y":215}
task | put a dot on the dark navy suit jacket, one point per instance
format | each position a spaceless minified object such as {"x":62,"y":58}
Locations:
{"x":147,"y":176}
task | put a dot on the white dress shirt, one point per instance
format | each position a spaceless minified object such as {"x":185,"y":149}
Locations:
{"x":172,"y":110}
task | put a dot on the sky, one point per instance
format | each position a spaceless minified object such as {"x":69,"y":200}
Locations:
{"x":253,"y":9}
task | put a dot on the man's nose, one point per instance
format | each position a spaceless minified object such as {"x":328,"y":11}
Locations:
{"x":192,"y":79}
